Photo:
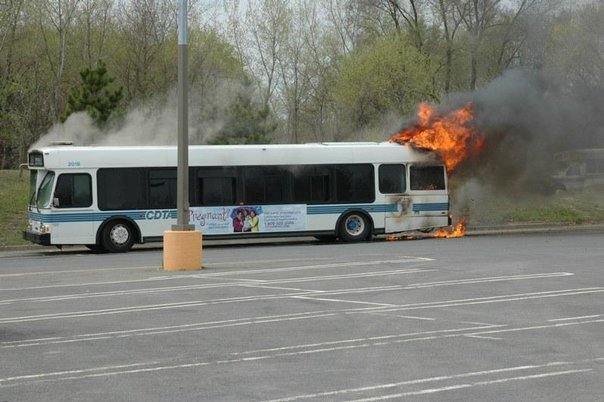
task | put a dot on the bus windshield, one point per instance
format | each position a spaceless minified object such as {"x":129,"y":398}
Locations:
{"x":33,"y":180}
{"x":44,"y":194}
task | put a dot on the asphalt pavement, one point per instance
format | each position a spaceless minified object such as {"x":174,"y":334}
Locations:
{"x":500,"y":318}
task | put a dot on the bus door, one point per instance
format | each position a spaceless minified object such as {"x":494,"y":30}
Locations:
{"x":72,"y":218}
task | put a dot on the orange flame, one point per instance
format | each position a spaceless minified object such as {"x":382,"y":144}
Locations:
{"x":458,"y":230}
{"x":450,"y":135}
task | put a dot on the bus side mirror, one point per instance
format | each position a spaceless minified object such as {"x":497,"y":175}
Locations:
{"x":55,"y":201}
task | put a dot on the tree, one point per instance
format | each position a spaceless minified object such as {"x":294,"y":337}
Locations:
{"x":93,"y":24}
{"x":388,"y":75}
{"x":94,"y":96}
{"x":478,"y":17}
{"x":405,"y":14}
{"x":56,"y":18}
{"x":268,"y":21}
{"x":574,"y":48}
{"x":450,"y":24}
{"x":247,"y":123}
{"x":144,"y":51}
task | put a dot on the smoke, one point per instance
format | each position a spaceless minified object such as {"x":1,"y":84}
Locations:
{"x":153,"y":121}
{"x":526,"y":118}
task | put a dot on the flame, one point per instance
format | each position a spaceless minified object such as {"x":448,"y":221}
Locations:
{"x":450,"y":135}
{"x":457,"y":230}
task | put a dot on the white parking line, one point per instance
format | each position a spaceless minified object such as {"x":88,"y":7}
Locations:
{"x":343,"y":301}
{"x":411,"y":317}
{"x":380,"y":387}
{"x":301,"y":350}
{"x":209,"y":275}
{"x":462,"y":386}
{"x":575,"y":318}
{"x":324,"y":294}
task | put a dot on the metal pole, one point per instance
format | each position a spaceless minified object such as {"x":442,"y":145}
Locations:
{"x":182,"y":244}
{"x":182,"y":171}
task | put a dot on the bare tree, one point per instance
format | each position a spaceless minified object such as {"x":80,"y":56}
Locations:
{"x":146,"y":28}
{"x":478,"y":16}
{"x":345,"y":20}
{"x":55,"y":19}
{"x":444,"y":12}
{"x":404,"y":13}
{"x":268,"y":22}
{"x":10,"y":15}
{"x":94,"y":19}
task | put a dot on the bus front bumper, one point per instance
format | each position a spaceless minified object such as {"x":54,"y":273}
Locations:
{"x":38,"y":238}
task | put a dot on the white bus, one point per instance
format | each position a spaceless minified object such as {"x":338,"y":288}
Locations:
{"x":109,"y":198}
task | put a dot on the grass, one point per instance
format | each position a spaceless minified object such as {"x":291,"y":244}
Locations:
{"x":567,"y":208}
{"x":13,"y":206}
{"x":579,"y":207}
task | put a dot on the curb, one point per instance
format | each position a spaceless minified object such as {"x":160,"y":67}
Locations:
{"x":478,"y":230}
{"x":481,"y":230}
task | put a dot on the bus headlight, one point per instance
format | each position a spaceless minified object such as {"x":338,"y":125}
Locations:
{"x":44,"y":229}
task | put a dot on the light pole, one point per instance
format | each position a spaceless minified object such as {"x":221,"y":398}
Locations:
{"x":182,"y":170}
{"x":182,"y":244}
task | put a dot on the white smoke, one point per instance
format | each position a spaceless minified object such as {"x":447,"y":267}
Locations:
{"x":152,"y":122}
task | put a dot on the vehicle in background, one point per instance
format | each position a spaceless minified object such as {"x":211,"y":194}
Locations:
{"x":109,"y":198}
{"x":579,"y":168}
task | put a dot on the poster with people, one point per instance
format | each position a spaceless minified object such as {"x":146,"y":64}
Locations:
{"x":249,"y":219}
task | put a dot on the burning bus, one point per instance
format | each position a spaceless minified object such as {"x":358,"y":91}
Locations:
{"x":110,"y":198}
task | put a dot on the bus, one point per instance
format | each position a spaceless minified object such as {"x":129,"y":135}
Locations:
{"x":109,"y":198}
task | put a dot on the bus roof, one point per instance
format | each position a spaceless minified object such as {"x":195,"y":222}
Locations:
{"x":579,"y":154}
{"x":65,"y":156}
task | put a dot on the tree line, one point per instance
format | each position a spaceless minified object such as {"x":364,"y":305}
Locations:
{"x":277,"y":70}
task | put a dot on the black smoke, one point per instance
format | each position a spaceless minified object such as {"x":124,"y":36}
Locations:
{"x":526,"y":118}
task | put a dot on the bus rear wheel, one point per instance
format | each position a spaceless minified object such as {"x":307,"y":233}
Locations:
{"x":354,"y":226}
{"x":118,"y":237}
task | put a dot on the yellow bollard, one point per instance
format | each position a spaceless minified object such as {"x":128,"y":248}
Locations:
{"x":182,"y":250}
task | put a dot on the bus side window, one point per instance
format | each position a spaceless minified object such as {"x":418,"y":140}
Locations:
{"x":310,"y":184}
{"x":217,"y":191}
{"x":427,"y":177}
{"x":73,"y":191}
{"x":122,"y":188}
{"x":392,"y":179}
{"x":354,"y":183}
{"x":213,"y":186}
{"x":162,"y":188}
{"x":266,"y":185}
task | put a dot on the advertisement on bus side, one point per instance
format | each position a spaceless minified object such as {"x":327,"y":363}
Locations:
{"x":249,"y":218}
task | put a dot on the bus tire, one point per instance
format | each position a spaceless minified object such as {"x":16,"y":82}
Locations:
{"x":354,"y":226}
{"x":118,"y":236}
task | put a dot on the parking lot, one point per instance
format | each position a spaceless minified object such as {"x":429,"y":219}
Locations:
{"x":501,"y":318}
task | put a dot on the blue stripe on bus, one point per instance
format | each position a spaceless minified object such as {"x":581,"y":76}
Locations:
{"x":338,"y":209}
{"x":171,"y":214}
{"x":430,"y":206}
{"x":97,"y":216}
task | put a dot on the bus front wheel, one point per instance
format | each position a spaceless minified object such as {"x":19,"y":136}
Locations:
{"x":354,"y":226}
{"x":118,"y":237}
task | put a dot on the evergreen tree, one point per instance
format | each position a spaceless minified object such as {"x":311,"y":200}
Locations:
{"x":247,"y":123}
{"x":93,"y":95}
